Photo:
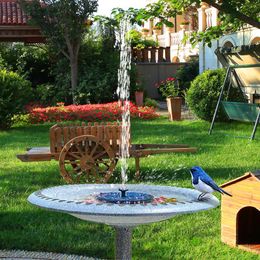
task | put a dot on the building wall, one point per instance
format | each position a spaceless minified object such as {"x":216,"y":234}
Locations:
{"x":207,"y":17}
{"x":172,"y":37}
{"x":152,"y":73}
{"x":207,"y":57}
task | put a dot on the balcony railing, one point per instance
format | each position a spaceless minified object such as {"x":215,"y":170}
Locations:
{"x":151,"y":55}
{"x":175,"y":39}
{"x":161,"y":40}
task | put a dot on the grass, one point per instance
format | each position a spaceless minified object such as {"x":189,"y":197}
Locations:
{"x":194,"y":236}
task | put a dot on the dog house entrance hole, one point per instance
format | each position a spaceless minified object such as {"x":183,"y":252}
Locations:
{"x":248,"y":226}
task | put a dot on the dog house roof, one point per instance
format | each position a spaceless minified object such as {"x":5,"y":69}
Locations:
{"x":254,"y":175}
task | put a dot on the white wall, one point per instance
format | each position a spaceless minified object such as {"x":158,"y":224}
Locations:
{"x":207,"y":57}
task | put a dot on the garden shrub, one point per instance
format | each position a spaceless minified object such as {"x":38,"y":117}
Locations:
{"x":203,"y":94}
{"x":49,"y":72}
{"x":50,"y":94}
{"x":97,"y":79}
{"x":21,"y":119}
{"x":150,"y":103}
{"x":186,"y":73}
{"x":139,"y":42}
{"x":32,"y":62}
{"x":15,"y":92}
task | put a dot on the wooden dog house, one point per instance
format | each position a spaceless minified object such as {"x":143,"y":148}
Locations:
{"x":240,"y":214}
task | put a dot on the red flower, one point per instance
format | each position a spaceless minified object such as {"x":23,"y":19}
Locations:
{"x":93,"y":112}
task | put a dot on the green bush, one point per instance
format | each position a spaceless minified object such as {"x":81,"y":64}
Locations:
{"x":32,"y":62}
{"x":148,"y":102}
{"x":97,"y":75}
{"x":186,"y":73}
{"x":21,"y":119}
{"x":15,"y":92}
{"x":50,"y":94}
{"x":203,"y":94}
{"x":139,"y":42}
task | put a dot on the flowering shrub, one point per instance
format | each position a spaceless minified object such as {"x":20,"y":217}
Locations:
{"x":168,"y":87}
{"x":95,"y":112}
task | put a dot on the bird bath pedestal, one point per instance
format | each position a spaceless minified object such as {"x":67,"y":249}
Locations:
{"x":84,"y":202}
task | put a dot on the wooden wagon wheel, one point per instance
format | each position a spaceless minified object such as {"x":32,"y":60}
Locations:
{"x":87,"y":159}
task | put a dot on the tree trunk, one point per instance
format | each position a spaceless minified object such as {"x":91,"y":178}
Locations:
{"x":74,"y":76}
{"x":73,"y":51}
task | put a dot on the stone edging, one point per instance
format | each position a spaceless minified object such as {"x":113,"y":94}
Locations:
{"x":28,"y":255}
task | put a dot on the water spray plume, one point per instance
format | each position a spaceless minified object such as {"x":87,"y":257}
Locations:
{"x":123,"y":92}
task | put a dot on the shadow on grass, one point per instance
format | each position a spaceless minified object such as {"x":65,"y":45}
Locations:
{"x":37,"y":230}
{"x":23,"y":138}
{"x":25,"y":227}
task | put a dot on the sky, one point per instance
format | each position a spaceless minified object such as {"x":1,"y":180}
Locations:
{"x":105,"y":6}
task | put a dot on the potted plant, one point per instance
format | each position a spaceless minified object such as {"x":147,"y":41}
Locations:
{"x":184,"y":25}
{"x":204,"y":5}
{"x":157,"y":30}
{"x":169,"y":89}
{"x":145,"y":31}
{"x":88,"y":22}
{"x":170,"y":29}
{"x":139,"y":94}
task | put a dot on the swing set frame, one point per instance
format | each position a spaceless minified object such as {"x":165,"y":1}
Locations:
{"x":233,"y":108}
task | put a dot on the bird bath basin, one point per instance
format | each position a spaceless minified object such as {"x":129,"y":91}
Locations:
{"x":83,"y":201}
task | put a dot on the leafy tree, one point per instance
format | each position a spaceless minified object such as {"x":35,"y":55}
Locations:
{"x":15,"y":93}
{"x":63,"y":23}
{"x":31,"y":62}
{"x":233,"y":15}
{"x":98,"y":69}
{"x":97,"y":75}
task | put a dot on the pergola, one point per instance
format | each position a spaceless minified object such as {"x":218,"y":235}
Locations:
{"x":14,"y":25}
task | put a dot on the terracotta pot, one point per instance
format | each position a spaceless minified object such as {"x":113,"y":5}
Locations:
{"x":183,"y":26}
{"x":139,"y":98}
{"x":157,"y":32}
{"x":145,"y":33}
{"x":170,"y":29}
{"x":204,"y":5}
{"x":174,"y":108}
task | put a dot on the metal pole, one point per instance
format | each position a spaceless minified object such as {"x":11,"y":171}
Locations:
{"x":123,"y":243}
{"x":219,"y":99}
{"x":255,"y":126}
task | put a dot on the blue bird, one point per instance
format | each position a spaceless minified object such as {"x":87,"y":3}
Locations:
{"x":203,"y":183}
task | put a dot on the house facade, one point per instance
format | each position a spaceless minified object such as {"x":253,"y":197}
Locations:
{"x":198,"y":20}
{"x":172,"y":36}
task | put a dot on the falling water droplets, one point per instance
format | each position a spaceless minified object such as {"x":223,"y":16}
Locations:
{"x":124,"y":94}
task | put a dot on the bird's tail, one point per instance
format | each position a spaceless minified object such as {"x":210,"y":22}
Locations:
{"x":222,"y":191}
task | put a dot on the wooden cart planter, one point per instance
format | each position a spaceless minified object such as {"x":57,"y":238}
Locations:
{"x":89,"y":153}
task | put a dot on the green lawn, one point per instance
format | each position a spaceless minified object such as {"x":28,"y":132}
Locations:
{"x":195,"y":236}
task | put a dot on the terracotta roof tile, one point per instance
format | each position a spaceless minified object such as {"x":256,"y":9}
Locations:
{"x":11,"y":13}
